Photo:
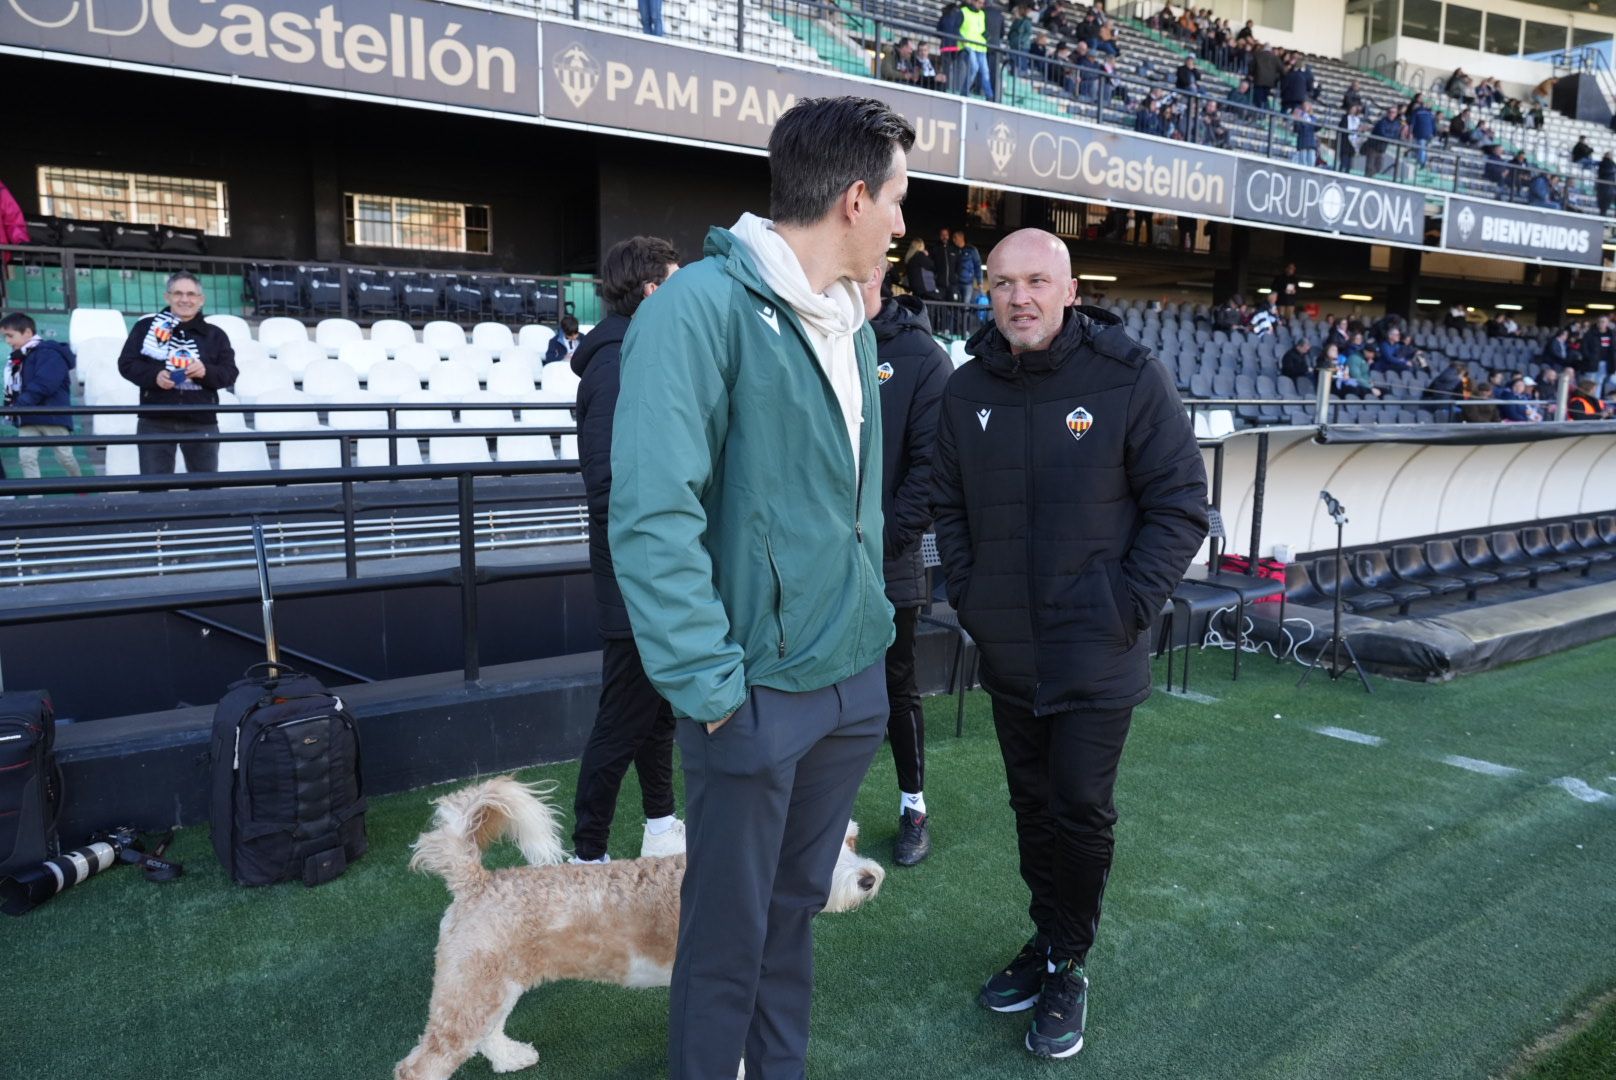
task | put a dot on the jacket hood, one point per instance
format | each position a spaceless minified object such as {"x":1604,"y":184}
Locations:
{"x":1084,"y":324}
{"x":899,"y":314}
{"x":609,"y":331}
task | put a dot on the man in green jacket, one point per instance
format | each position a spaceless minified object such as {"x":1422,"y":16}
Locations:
{"x":746,"y":530}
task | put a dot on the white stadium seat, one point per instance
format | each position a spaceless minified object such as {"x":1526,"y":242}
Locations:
{"x":298,"y":355}
{"x":243,"y":457}
{"x":392,"y":334}
{"x":392,"y":378}
{"x":492,"y":336}
{"x":327,"y":378}
{"x":362,"y":355}
{"x":98,"y":355}
{"x":87,"y":323}
{"x":234,"y":326}
{"x":423,"y":358}
{"x":231,"y":421}
{"x":125,"y":460}
{"x":478,"y":359}
{"x":250,"y":354}
{"x":513,"y":381}
{"x":311,"y":454}
{"x":535,"y":336}
{"x":278,"y":330}
{"x":301,"y":420}
{"x":371,"y":452}
{"x":270,"y":377}
{"x":333,"y":334}
{"x":559,"y":378}
{"x":443,"y":336}
{"x":481,"y":418}
{"x":453,"y":380}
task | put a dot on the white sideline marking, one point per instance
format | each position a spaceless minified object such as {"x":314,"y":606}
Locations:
{"x":1479,"y":766}
{"x":1348,"y":735}
{"x":1192,"y":695}
{"x":1579,"y":790}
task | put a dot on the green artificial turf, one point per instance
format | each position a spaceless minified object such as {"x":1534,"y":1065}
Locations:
{"x":1284,"y":905}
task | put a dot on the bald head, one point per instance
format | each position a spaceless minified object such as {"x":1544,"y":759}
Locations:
{"x":1030,"y":280}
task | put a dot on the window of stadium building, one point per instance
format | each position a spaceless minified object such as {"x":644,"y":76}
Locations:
{"x":1543,"y":38}
{"x":1462,"y":29}
{"x":1422,"y":20}
{"x":135,"y":198}
{"x":417,"y":224}
{"x":1581,"y":38}
{"x":1503,"y":37}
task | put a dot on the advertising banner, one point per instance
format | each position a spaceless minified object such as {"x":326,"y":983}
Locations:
{"x":641,"y":84}
{"x":1284,"y":195}
{"x":1521,"y":232}
{"x":1065,"y":158}
{"x":412,"y":49}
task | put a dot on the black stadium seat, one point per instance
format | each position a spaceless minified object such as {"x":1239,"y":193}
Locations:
{"x":273,"y":290}
{"x":1443,"y":558}
{"x":1535,"y":542}
{"x":1300,"y":588}
{"x":1375,"y":574}
{"x":375,"y":292}
{"x":1354,"y":597}
{"x":465,"y":296}
{"x":1587,"y":534}
{"x":1606,"y":526}
{"x":1564,"y":542}
{"x":1408,"y":563}
{"x":1507,"y":546}
{"x":322,"y":288}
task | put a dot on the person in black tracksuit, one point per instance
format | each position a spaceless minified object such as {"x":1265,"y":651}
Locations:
{"x":912,"y":370}
{"x":633,"y":723}
{"x":1070,"y":497}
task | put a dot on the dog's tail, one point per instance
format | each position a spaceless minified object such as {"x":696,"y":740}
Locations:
{"x":468,"y":821}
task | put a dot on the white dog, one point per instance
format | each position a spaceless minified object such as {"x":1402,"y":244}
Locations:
{"x":508,"y":930}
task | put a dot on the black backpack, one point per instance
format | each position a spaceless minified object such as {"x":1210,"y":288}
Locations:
{"x":287,"y":804}
{"x":30,"y":783}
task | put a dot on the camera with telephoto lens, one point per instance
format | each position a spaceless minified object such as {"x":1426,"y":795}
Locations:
{"x":29,"y":888}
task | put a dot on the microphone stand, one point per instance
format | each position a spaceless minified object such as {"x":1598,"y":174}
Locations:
{"x":1336,"y":641}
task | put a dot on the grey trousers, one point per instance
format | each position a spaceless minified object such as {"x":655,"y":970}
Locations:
{"x":767,"y":799}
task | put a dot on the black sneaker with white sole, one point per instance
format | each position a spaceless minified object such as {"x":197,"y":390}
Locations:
{"x":1017,"y":987}
{"x":914,"y":839}
{"x":1063,"y":1006}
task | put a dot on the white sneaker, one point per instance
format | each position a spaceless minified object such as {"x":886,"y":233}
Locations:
{"x":670,"y":842}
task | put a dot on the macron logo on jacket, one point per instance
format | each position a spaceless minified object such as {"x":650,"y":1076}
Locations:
{"x":772,"y":317}
{"x":982,"y":417}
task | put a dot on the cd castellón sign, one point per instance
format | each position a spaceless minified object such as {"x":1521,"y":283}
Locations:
{"x":419,"y":50}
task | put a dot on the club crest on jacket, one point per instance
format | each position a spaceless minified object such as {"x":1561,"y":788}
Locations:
{"x":884,"y":372}
{"x":1078,"y":422}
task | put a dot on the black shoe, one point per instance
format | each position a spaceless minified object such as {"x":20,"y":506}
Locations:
{"x":1057,"y":1026}
{"x":914,"y":841}
{"x":1018,"y":985}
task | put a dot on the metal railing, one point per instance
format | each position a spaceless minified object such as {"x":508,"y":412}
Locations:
{"x":47,"y":280}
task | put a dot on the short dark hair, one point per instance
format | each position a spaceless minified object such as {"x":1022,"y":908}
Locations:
{"x":569,"y":324}
{"x":18,"y":321}
{"x":822,"y":146}
{"x":181,"y":275}
{"x":629,"y":266}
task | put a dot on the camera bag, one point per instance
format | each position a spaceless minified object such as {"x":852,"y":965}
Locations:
{"x":30,"y":782}
{"x":286,"y":801}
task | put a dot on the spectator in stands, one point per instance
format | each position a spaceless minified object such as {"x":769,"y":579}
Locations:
{"x":975,"y":76}
{"x":1517,"y":407}
{"x":929,"y":74}
{"x":1188,"y":78}
{"x":1421,"y":127}
{"x":1557,"y":350}
{"x":1385,"y":130}
{"x":1306,"y":127}
{"x":1598,"y":354}
{"x":1497,"y":172}
{"x":1508,"y":327}
{"x":1211,"y":130}
{"x":1511,"y":112}
{"x":1339,"y":335}
{"x":1582,"y":153}
{"x":1292,"y":88}
{"x":1345,"y":382}
{"x":1020,"y":36}
{"x":914,"y":370}
{"x":1488,"y":91}
{"x":1148,"y":120}
{"x":1348,"y":137}
{"x":1284,"y":290}
{"x":920,"y":273}
{"x":39,"y":375}
{"x":942,"y":256}
{"x":1542,"y":192}
{"x":1535,"y":115}
{"x":1241,"y":95}
{"x":1172,"y":121}
{"x":717,"y":527}
{"x":965,"y":269}
{"x":633,"y":724}
{"x":1298,"y":359}
{"x":1583,"y":402}
{"x":564,"y":344}
{"x":1548,"y":385}
{"x":13,"y":230}
{"x":1094,"y":76}
{"x":651,"y":17}
{"x":1040,"y":48}
{"x":1485,"y":413}
{"x":1394,"y":353}
{"x":1105,"y":38}
{"x":1351,"y":96}
{"x":1227,"y":316}
{"x":178,"y":358}
{"x":1481,"y":135}
{"x":1263,"y":319}
{"x":1458,"y":86}
{"x":1458,"y":318}
{"x":1266,"y":69}
{"x":1605,"y":187}
{"x":1543,"y":94}
{"x":898,"y":65}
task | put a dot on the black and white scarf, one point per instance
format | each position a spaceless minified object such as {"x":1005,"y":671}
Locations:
{"x":166,"y":342}
{"x":14,"y":369}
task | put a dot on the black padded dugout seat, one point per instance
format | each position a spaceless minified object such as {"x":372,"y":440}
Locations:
{"x":1443,"y":558}
{"x":1535,"y":542}
{"x":1408,"y":563}
{"x":1375,"y":573}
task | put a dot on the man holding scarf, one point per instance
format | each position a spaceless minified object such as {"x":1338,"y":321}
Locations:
{"x":178,"y":359}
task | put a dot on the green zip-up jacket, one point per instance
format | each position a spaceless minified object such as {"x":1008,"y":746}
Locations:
{"x":747,"y":547}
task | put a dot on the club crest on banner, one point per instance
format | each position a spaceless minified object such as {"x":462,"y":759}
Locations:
{"x":1078,"y":422}
{"x":577,"y":73}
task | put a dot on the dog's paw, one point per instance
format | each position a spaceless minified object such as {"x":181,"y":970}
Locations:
{"x":507,"y":1055}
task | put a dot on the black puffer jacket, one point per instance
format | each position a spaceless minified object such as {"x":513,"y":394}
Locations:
{"x":1070,"y":498}
{"x":596,"y":363}
{"x":913,"y":370}
{"x":207,"y":343}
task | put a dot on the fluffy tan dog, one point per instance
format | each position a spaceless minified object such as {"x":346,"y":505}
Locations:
{"x":508,"y":930}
